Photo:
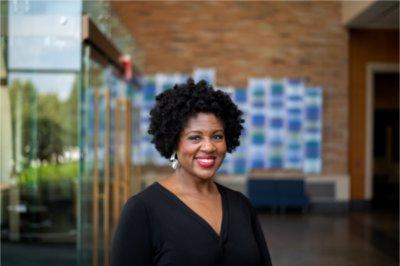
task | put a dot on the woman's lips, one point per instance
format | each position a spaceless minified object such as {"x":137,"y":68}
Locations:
{"x":205,"y":162}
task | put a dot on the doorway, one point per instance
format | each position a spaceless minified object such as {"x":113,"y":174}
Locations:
{"x":385,"y":178}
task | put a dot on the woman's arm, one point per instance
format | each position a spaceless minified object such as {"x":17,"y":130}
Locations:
{"x":131,"y":244}
{"x":259,"y":236}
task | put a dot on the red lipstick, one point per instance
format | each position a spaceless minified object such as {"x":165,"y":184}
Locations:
{"x":205,"y":161}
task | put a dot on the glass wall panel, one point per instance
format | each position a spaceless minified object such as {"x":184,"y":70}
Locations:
{"x":67,"y":151}
{"x":41,"y":50}
{"x":53,"y":31}
{"x":46,"y":152}
{"x":42,"y":205}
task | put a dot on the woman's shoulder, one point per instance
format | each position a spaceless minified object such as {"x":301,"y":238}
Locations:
{"x":145,"y":197}
{"x":233,"y":195}
{"x":237,"y":200}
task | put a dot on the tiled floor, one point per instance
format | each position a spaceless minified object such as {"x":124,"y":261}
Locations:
{"x":360,"y":239}
{"x":347,"y":240}
{"x":37,"y":254}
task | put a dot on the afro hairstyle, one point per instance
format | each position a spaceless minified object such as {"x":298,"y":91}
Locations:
{"x":174,"y":107}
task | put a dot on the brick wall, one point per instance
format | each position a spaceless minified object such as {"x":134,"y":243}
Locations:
{"x":252,"y":39}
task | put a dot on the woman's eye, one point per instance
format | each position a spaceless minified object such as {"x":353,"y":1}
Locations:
{"x":194,"y":137}
{"x":218,"y":137}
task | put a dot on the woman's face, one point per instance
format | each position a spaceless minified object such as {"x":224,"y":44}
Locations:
{"x":202,"y":146}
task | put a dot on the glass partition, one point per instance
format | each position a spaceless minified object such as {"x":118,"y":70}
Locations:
{"x":41,"y":48}
{"x":46,"y":153}
{"x":68,"y":151}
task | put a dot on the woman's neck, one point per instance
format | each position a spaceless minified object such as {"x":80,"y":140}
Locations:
{"x":183,"y":183}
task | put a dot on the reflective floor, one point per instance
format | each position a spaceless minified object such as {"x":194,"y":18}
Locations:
{"x":37,"y":254}
{"x":294,"y":240}
{"x":316,"y":239}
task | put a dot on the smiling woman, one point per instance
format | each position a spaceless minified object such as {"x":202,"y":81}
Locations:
{"x":187,"y":218}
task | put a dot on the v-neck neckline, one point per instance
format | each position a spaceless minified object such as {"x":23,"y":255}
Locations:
{"x":197,"y":216}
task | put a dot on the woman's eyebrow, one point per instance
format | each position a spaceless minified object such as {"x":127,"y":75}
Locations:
{"x":193,"y":131}
{"x":201,"y":132}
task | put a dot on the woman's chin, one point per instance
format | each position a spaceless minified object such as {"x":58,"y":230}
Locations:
{"x":206,"y":174}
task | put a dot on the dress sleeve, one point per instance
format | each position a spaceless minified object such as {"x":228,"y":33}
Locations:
{"x":259,"y":236}
{"x":131,"y":244}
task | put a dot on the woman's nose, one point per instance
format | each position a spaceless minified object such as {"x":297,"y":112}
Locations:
{"x":207,"y":146}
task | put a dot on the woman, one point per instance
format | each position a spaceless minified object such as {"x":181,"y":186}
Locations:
{"x":187,"y":219}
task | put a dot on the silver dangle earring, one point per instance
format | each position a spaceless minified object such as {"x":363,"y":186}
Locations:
{"x":174,"y":161}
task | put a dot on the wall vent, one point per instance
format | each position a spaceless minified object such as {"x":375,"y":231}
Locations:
{"x":321,"y":191}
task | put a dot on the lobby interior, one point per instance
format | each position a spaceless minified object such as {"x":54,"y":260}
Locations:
{"x":74,"y":146}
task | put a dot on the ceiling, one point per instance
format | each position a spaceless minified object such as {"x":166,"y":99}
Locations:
{"x":378,"y":15}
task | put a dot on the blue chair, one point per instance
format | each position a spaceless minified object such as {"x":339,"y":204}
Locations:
{"x":262,"y":193}
{"x":291,"y":193}
{"x":277,"y":193}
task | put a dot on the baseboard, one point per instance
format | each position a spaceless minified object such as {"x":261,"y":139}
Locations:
{"x":360,"y":205}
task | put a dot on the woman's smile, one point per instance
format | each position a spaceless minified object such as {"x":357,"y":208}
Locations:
{"x":205,"y":161}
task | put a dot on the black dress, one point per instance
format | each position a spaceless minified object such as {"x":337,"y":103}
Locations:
{"x":157,"y":228}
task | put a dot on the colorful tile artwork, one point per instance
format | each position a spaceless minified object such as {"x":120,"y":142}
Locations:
{"x":282,"y":129}
{"x":256,"y":141}
{"x":293,"y":158}
{"x":275,"y":126}
{"x":312,"y":130}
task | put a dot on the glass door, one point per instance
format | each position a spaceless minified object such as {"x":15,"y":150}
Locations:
{"x":39,"y":160}
{"x":95,"y":164}
{"x":107,"y":179}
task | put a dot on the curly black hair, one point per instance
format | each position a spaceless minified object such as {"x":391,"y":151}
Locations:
{"x":175,"y":106}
